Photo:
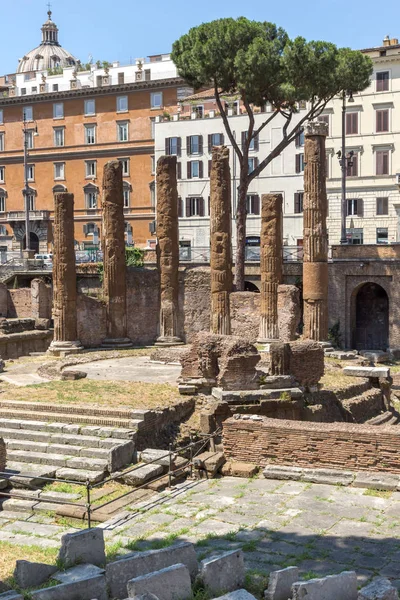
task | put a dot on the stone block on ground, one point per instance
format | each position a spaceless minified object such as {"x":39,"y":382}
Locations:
{"x":157,"y":457}
{"x":377,"y":481}
{"x":280,"y":583}
{"x":379,"y":589}
{"x":329,"y":476}
{"x":211,"y":462}
{"x":85,"y":589}
{"x":239,"y":469}
{"x":332,"y":587}
{"x":237,"y":595}
{"x":119,"y":572}
{"x":366,"y":371}
{"x":224,"y":573}
{"x":277,"y":472}
{"x":120,"y":456}
{"x":86,"y":546}
{"x":171,"y":583}
{"x":11,"y":595}
{"x":77,"y":573}
{"x":29,"y":574}
{"x":142,"y":474}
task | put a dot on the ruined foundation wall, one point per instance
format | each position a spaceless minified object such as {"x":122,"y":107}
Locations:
{"x":92,"y":323}
{"x":19,"y":303}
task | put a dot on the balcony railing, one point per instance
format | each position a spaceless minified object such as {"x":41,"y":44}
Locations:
{"x":34,"y":215}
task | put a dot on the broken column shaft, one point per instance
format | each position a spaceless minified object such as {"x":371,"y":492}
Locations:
{"x":168,"y":250}
{"x":270,"y":265}
{"x":315,"y":239}
{"x":64,"y":277}
{"x":220,"y":239}
{"x":114,"y":283}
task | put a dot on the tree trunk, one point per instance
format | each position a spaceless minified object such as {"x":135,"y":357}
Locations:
{"x":241,"y":232}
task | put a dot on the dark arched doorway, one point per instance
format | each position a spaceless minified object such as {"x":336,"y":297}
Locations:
{"x":33,"y":242}
{"x":249,"y":286}
{"x":371,"y":331}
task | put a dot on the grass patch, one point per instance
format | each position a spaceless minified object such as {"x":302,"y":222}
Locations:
{"x":10,"y":553}
{"x":64,"y":488}
{"x":309,"y":575}
{"x":250,"y":546}
{"x":377,"y":493}
{"x":256,"y":582}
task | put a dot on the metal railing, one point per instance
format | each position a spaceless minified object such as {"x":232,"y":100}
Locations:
{"x":201,"y":254}
{"x":89,"y":507}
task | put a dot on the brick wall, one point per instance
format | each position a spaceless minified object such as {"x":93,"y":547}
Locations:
{"x":19,"y":303}
{"x":91,"y":321}
{"x":266,"y":441}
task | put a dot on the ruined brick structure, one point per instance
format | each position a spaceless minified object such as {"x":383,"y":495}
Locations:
{"x":315,"y":262}
{"x":168,"y":249}
{"x":270,"y":265}
{"x":114,"y":284}
{"x":220,"y":239}
{"x":303,"y":360}
{"x":228,"y":362}
{"x":64,"y":277}
{"x":289,"y":312}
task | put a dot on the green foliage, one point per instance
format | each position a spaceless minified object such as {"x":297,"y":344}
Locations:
{"x":335,"y":335}
{"x":84,"y":67}
{"x":134,"y":257}
{"x":55,"y":71}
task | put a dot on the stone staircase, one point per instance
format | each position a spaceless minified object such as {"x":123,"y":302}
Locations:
{"x":390,"y":417}
{"x":77,"y":443}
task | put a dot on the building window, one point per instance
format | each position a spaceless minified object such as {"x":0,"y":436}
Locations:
{"x":30,"y":172}
{"x":194,"y":144}
{"x":382,"y":235}
{"x":23,"y":91}
{"x":27,"y":113}
{"x":121,"y":78}
{"x":382,"y":162}
{"x":125,"y":166}
{"x":352,"y":123}
{"x":91,"y":199}
{"x":58,"y":110}
{"x":2,"y":207}
{"x":59,"y":170}
{"x":122,"y":132}
{"x":90,"y":168}
{"x":195,"y":207}
{"x":90,"y":107}
{"x":127,"y":196}
{"x":1,"y":142}
{"x":153,"y":127}
{"x":382,"y":120}
{"x":173,"y":146}
{"x":90,"y":228}
{"x":153,"y":164}
{"x":59,"y":136}
{"x":1,"y":116}
{"x":215,"y":139}
{"x":253,"y":143}
{"x":298,"y":202}
{"x":31,"y":201}
{"x":2,"y":174}
{"x":355,"y":207}
{"x":90,"y":134}
{"x":29,"y":139}
{"x":198,"y":111}
{"x":352,"y":166}
{"x":299,"y":139}
{"x":152,"y":194}
{"x":324,"y":119}
{"x":122,"y":104}
{"x":194,"y":169}
{"x":382,"y":206}
{"x":253,"y":204}
{"x":55,"y":87}
{"x":355,"y":236}
{"x":382,"y":81}
{"x":299,"y":163}
{"x":156,"y":100}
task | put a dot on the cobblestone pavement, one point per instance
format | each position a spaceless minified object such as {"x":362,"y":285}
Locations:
{"x":321,"y":528}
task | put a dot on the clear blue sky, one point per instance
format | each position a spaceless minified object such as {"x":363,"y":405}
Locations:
{"x":124,"y":29}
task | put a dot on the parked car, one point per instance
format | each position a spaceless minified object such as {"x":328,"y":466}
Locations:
{"x":46,"y":258}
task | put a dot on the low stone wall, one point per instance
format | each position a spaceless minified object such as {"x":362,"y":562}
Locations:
{"x":19,"y":303}
{"x":22,"y":344}
{"x":157,"y":428}
{"x":264,"y":441}
{"x":91,"y":321}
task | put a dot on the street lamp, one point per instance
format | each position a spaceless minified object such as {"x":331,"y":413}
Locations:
{"x":26,"y":133}
{"x":344,"y":163}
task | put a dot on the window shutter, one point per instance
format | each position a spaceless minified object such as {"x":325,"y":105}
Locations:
{"x":256,"y":204}
{"x":209,"y":142}
{"x":385,"y":163}
{"x":209,"y":167}
{"x":256,"y":145}
{"x":255,"y":162}
{"x":166,"y":146}
{"x":360,"y":207}
{"x":188,"y":145}
{"x":200,"y":144}
{"x":348,"y":123}
{"x":188,"y":211}
{"x":201,"y":207}
{"x":189,"y":169}
{"x":385,"y":120}
{"x":85,"y":229}
{"x":180,"y":207}
{"x":297,"y":140}
{"x":209,"y":205}
{"x":200,"y":169}
{"x":244,"y":135}
{"x":385,"y":206}
{"x":179,"y":170}
{"x":296,"y":202}
{"x":378,"y":120}
{"x":179,"y":146}
{"x":221,"y":139}
{"x":298,"y":163}
{"x":379,"y":163}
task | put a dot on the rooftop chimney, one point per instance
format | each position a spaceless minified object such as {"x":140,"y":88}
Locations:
{"x":386,"y":41}
{"x":394,"y":42}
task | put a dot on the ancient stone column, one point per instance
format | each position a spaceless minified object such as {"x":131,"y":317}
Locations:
{"x":113,"y":245}
{"x":270,"y":265}
{"x":168,"y":250}
{"x":315,"y":240}
{"x":64,"y":277}
{"x":220,"y":239}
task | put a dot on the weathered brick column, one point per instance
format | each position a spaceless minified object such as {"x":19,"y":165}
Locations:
{"x":315,"y":261}
{"x":64,"y":277}
{"x":113,"y":245}
{"x":220,"y":238}
{"x":270,"y":265}
{"x":168,"y":250}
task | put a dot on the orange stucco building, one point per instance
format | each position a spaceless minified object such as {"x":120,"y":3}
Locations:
{"x":76,"y":119}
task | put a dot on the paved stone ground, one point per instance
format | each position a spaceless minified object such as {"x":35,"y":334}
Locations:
{"x":130,"y":368}
{"x":321,"y":528}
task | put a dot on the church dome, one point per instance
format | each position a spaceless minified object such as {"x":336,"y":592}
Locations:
{"x":49,"y":55}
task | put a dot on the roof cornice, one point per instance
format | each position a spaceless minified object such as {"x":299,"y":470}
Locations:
{"x":95,"y":91}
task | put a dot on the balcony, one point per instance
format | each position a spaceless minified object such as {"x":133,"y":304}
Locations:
{"x":34,"y":215}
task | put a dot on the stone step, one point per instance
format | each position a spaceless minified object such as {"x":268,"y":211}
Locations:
{"x":17,"y":505}
{"x":59,"y":460}
{"x":68,"y":428}
{"x":84,"y":409}
{"x":34,"y":473}
{"x":10,"y":413}
{"x":30,"y":446}
{"x":85,"y":441}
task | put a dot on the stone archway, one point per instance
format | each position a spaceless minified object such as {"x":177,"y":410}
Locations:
{"x":370,"y":317}
{"x":33,"y":242}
